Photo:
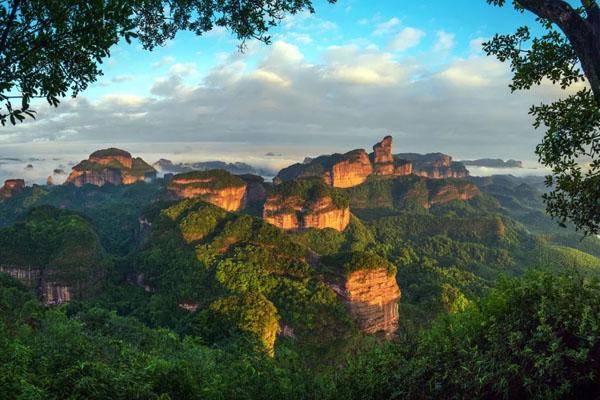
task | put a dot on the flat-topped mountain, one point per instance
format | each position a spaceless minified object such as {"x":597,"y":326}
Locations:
{"x":307,"y":203}
{"x":12,"y":187}
{"x":114,"y":166}
{"x":353,"y":168}
{"x":238,"y":168}
{"x":434,"y":165}
{"x":217,"y":187}
{"x":494,"y":163}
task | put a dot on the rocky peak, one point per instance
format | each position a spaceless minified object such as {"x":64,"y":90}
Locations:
{"x":382,"y":151}
{"x":114,"y":166}
{"x":12,"y":187}
{"x":217,"y":187}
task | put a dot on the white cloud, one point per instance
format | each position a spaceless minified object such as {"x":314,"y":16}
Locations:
{"x":183,"y":69}
{"x":406,"y":39}
{"x":122,"y":78}
{"x":476,"y":44}
{"x":352,"y":97}
{"x":123,"y":100}
{"x":164,"y":61}
{"x":475,"y":72}
{"x":283,"y":53}
{"x":269,"y":77}
{"x":386,"y":27}
{"x":444,"y":41}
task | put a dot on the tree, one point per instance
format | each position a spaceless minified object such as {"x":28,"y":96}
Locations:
{"x":568,"y":52}
{"x":50,"y":48}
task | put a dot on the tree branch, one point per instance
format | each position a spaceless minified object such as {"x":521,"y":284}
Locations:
{"x":8,"y":27}
{"x":593,"y":12}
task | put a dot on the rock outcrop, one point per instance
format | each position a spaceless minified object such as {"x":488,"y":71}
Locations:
{"x":306,"y":203}
{"x":372,"y":297}
{"x":50,"y":288}
{"x":338,"y":170}
{"x":367,"y":284}
{"x":12,"y":187}
{"x":353,"y":168}
{"x":256,"y":192}
{"x":450,"y":192}
{"x":217,"y":187}
{"x":112,"y":166}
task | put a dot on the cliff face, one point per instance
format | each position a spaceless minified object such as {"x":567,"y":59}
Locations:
{"x":372,"y":297}
{"x":12,"y":187}
{"x":293,"y":214}
{"x":112,"y":166}
{"x":95,"y":177}
{"x":49,"y":287}
{"x":217,"y":187}
{"x":350,"y":172}
{"x":447,"y":193}
{"x":382,"y":151}
{"x":306,"y":204}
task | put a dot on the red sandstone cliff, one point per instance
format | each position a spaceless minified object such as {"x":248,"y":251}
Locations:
{"x":447,"y":193}
{"x":372,"y":296}
{"x":112,"y":166}
{"x":351,"y":171}
{"x":12,"y":187}
{"x":217,"y":187}
{"x":367,"y":284}
{"x":306,"y":204}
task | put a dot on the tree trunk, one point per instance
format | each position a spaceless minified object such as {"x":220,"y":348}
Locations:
{"x":583,"y":33}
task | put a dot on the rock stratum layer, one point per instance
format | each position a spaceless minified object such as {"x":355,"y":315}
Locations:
{"x":217,"y":187}
{"x":113,"y":166}
{"x":305,"y":204}
{"x":353,"y":168}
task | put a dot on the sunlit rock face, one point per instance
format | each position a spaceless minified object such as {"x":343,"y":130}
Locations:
{"x":217,"y":187}
{"x":382,"y":157}
{"x":367,"y":284}
{"x":352,"y":171}
{"x":324,"y":214}
{"x":12,"y":187}
{"x":372,"y":296}
{"x":305,"y":204}
{"x":449,"y":192}
{"x":114,"y":166}
{"x":349,"y":169}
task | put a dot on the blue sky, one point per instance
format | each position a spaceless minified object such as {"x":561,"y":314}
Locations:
{"x":333,"y":81}
{"x":458,"y":24}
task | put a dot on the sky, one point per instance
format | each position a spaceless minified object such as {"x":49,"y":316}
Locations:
{"x":333,"y":81}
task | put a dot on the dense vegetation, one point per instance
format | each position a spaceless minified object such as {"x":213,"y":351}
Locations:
{"x":202,"y":303}
{"x":212,"y":179}
{"x":308,"y":192}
